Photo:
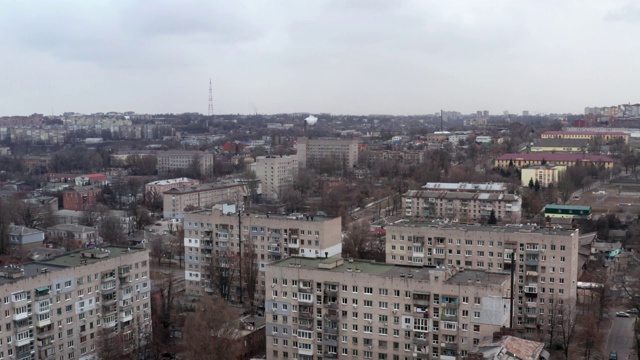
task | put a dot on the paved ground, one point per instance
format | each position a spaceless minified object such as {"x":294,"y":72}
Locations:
{"x":620,"y":337}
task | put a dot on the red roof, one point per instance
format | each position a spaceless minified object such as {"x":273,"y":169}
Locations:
{"x":97,"y":177}
{"x":597,"y":133}
{"x":554,"y":157}
{"x":379,"y":231}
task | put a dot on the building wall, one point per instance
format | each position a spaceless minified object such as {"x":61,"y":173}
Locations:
{"x":312,"y":151}
{"x":520,"y":163}
{"x":585,"y":135}
{"x":161,"y":186}
{"x":78,"y":200}
{"x":72,"y":310}
{"x":174,"y":202}
{"x":545,"y":175}
{"x":315,"y":313}
{"x":169,"y":161}
{"x":276,"y":173}
{"x":542,"y":255}
{"x":210,"y":234}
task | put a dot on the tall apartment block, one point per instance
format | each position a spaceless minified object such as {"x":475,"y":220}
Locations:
{"x":334,"y":308}
{"x":461,"y":206}
{"x":172,"y":160}
{"x":546,"y":261}
{"x":312,"y":151}
{"x":275,"y":173}
{"x":214,"y":234}
{"x":58,"y":308}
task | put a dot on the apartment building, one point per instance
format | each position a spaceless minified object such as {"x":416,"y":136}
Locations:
{"x":545,"y":174}
{"x":61,"y":308}
{"x":175,"y":201}
{"x":275,"y":173}
{"x":462,"y":206}
{"x":546,"y":260}
{"x":523,"y":160}
{"x":172,"y":160}
{"x":214,"y":234}
{"x":334,"y":308}
{"x":79,"y":197}
{"x":160,"y":186}
{"x":312,"y":151}
{"x":552,"y":145}
{"x":406,"y":157}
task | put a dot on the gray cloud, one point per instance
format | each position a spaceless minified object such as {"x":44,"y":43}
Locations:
{"x":355,"y":56}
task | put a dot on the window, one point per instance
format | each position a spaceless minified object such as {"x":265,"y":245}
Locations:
{"x":476,"y":314}
{"x":368,"y":290}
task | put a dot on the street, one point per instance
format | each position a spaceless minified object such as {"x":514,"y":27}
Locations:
{"x":620,"y":337}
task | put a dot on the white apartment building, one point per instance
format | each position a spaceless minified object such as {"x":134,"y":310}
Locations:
{"x":334,"y":308}
{"x":312,"y":151}
{"x":57,"y":308}
{"x":490,"y":187}
{"x":275,"y":173}
{"x":462,"y":207}
{"x":546,"y":260}
{"x":214,"y":234}
{"x":172,"y":160}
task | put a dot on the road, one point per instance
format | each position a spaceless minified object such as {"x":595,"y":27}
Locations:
{"x":620,"y":337}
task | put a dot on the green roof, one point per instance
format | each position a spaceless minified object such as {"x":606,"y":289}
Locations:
{"x":75,"y":258}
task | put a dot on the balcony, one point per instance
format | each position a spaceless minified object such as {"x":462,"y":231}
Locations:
{"x":308,"y":352}
{"x":305,"y":315}
{"x":108,"y":277}
{"x":274,"y":249}
{"x":110,"y":324}
{"x":207,"y":245}
{"x":329,"y":355}
{"x":42,"y":293}
{"x":307,"y":327}
{"x":531,"y":289}
{"x":124,"y":271}
{"x":126,"y":316}
{"x":449,"y":305}
{"x":330,"y":330}
{"x":331,"y":317}
{"x":531,"y":261}
{"x":294,"y":244}
{"x":108,"y":302}
{"x":43,"y":322}
{"x":330,"y":342}
{"x":531,"y":304}
{"x":420,"y":341}
{"x":22,"y":342}
{"x":444,"y":317}
{"x":20,"y":316}
{"x":331,"y":292}
{"x":531,"y":250}
{"x":332,"y":305}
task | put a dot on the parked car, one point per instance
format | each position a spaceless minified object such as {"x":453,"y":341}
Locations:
{"x":633,"y":311}
{"x":622,"y":314}
{"x":613,"y":355}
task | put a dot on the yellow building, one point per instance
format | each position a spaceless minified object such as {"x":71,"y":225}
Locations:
{"x":545,"y":174}
{"x":606,"y":136}
{"x":524,"y":160}
{"x":554,"y":145}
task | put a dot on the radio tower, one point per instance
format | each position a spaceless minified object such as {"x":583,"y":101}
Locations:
{"x":210,"y":111}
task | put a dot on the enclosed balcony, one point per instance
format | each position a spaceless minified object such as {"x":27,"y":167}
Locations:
{"x":531,"y":289}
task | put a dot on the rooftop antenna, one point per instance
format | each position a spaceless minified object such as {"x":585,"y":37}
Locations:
{"x":210,"y":110}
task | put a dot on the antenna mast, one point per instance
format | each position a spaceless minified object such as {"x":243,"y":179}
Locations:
{"x":210,"y":110}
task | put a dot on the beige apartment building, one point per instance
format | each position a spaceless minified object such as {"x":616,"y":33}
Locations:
{"x":175,"y":201}
{"x":335,"y":308}
{"x":546,"y":260}
{"x":406,"y":157}
{"x":275,"y":173}
{"x":545,"y":174}
{"x":213,"y":234}
{"x":312,"y":151}
{"x":61,"y":308}
{"x":172,"y":160}
{"x":464,"y":207}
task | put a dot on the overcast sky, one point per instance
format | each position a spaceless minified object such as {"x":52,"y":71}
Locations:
{"x":341,"y":56}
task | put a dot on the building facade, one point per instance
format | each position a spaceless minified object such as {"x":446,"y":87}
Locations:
{"x":523,"y":160}
{"x":334,"y":308}
{"x":176,"y":200}
{"x":79,"y":197}
{"x":63,"y":307}
{"x":606,"y":136}
{"x":275,"y":173}
{"x":546,"y":261}
{"x":213,"y":235}
{"x":406,"y":157}
{"x":462,"y":206}
{"x":312,"y":151}
{"x":553,"y":145}
{"x":172,"y":160}
{"x":545,"y":174}
{"x":490,"y":187}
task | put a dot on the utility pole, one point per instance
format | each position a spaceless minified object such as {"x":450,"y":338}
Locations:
{"x":240,"y":245}
{"x":513,"y":271}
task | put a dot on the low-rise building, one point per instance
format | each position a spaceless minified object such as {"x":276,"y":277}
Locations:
{"x":172,"y":160}
{"x":508,"y":348}
{"x":176,"y":200}
{"x":567,"y":211}
{"x":365,"y":310}
{"x":82,"y":234}
{"x":22,"y":238}
{"x":80,"y":197}
{"x":523,"y":160}
{"x":92,"y":179}
{"x":404,"y":157}
{"x":160,"y":186}
{"x":462,"y":206}
{"x":605,"y":136}
{"x":547,"y":175}
{"x":560,"y":145}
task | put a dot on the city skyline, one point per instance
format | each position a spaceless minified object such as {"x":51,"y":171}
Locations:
{"x":358,"y":57}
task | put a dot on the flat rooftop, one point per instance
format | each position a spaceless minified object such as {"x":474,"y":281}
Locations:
{"x":515,"y":228}
{"x":395,"y":271}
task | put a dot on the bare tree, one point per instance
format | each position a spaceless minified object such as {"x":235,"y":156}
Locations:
{"x":568,"y":319}
{"x":250,"y":273}
{"x":179,"y":235}
{"x":156,"y":247}
{"x":222,"y":274}
{"x":152,"y":200}
{"x":361,"y":244}
{"x":141,"y":216}
{"x":31,"y":215}
{"x":211,"y":332}
{"x":5,"y":221}
{"x":92,"y":214}
{"x":112,"y":231}
{"x":589,"y":338}
{"x":109,"y":345}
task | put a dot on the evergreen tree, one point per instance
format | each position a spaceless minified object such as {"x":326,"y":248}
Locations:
{"x":531,"y":184}
{"x":536,"y":185}
{"x":492,"y":218}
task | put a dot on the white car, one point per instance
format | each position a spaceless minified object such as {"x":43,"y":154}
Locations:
{"x":622,"y":314}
